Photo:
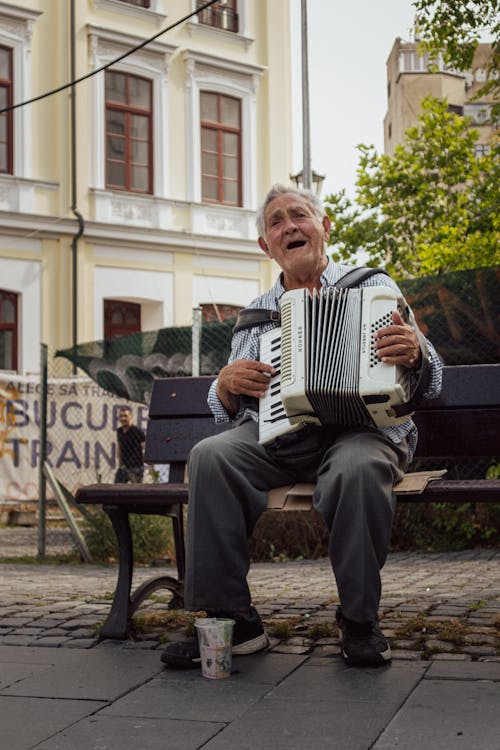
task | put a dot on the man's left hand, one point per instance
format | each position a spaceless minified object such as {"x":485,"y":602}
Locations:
{"x":397,"y":344}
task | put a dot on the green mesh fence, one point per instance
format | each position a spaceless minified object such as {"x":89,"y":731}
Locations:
{"x":88,"y":386}
{"x":460,"y":312}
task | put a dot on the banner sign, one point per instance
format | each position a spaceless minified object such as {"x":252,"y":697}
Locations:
{"x":81,"y":434}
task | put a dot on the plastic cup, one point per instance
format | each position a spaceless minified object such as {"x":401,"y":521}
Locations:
{"x":215,"y":638}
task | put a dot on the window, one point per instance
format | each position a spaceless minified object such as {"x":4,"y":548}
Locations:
{"x":480,"y":113}
{"x":211,"y":311}
{"x":121,"y":318}
{"x":221,"y":15}
{"x":220,"y":149}
{"x":481,"y":149}
{"x":129,"y":163}
{"x":8,"y":330}
{"x":6,"y":85}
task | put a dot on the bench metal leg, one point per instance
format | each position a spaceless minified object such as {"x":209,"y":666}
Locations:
{"x":124,"y":603}
{"x":116,"y":625}
{"x":178,"y":531}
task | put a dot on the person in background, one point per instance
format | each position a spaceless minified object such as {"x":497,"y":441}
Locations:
{"x":131,"y":441}
{"x":354,"y":468}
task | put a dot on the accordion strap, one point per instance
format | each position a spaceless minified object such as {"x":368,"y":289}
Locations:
{"x":255,"y":316}
{"x":424,"y":375}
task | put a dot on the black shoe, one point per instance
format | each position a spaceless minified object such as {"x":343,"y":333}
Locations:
{"x":248,"y":638}
{"x":362,"y":643}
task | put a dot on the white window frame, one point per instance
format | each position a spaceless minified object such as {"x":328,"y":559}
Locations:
{"x":24,"y":278}
{"x":239,"y":80}
{"x":152,"y":62}
{"x":16,"y":32}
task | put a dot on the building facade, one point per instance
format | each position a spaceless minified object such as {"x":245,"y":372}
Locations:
{"x":409,"y":80}
{"x":129,"y":198}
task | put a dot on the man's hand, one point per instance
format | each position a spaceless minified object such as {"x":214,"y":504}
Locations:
{"x":243,"y":377}
{"x":397,"y":344}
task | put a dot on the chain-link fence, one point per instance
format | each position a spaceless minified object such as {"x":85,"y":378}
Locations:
{"x":84,"y":417}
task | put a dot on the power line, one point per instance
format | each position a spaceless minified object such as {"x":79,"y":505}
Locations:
{"x":109,"y":64}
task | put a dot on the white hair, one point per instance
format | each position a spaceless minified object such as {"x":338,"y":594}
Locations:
{"x":312,"y":200}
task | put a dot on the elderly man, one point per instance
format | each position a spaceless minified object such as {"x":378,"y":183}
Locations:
{"x":354,"y":468}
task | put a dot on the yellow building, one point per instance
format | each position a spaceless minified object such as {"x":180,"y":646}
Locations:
{"x":130,"y":199}
{"x":409,"y":80}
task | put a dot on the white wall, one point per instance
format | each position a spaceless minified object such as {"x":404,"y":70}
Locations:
{"x":224,"y":291}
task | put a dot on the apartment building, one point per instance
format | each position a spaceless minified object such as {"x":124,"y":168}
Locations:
{"x":129,"y":198}
{"x":409,"y":80}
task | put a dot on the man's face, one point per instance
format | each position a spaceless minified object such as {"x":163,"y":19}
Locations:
{"x":295,"y":236}
{"x":124,"y":418}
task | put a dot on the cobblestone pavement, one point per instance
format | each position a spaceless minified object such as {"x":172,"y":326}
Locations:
{"x":434,"y":606}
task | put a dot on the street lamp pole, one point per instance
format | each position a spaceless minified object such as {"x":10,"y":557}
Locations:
{"x":306,"y":135}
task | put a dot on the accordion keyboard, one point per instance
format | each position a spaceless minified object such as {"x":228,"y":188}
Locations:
{"x":273,"y":421}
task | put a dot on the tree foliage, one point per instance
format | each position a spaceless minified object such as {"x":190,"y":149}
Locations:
{"x":454,"y":28}
{"x":430,"y":208}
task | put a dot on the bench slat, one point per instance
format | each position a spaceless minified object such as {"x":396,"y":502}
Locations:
{"x":172,"y":439}
{"x":467,"y":386}
{"x":458,"y":433}
{"x":180,"y":396}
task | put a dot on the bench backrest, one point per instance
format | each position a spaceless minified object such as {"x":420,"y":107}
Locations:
{"x":464,"y":421}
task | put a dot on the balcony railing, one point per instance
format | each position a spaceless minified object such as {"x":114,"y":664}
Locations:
{"x":218,"y":16}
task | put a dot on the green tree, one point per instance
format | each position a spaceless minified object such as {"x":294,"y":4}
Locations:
{"x":430,"y":208}
{"x":454,"y":28}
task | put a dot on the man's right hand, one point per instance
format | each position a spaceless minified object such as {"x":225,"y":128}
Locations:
{"x":243,"y":377}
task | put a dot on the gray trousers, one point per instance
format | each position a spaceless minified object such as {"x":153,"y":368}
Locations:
{"x":229,"y":476}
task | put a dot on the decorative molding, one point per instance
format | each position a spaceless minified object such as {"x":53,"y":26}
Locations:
{"x":18,"y":195}
{"x":222,"y":221}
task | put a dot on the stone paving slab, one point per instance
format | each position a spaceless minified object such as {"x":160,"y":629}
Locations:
{"x":442,"y":715}
{"x":102,"y":674}
{"x":124,"y":733}
{"x":24,"y":722}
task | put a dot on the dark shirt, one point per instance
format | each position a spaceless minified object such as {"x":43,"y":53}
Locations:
{"x":130,"y":443}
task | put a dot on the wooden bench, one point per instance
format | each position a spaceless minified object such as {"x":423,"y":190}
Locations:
{"x":464,"y":422}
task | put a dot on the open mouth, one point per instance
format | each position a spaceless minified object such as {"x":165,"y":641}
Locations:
{"x":295,"y":243}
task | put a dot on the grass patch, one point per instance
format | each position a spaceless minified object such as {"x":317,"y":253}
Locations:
{"x":281,"y":630}
{"x":320,"y":630}
{"x":411,"y":627}
{"x":168,"y":620}
{"x":70,"y":559}
{"x":453,"y":631}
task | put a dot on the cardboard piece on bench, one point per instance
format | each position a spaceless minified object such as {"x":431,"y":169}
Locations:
{"x":415,"y":482}
{"x":299,"y":496}
{"x":291,"y":497}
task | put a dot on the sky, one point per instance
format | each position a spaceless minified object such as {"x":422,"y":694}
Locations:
{"x":349,"y":42}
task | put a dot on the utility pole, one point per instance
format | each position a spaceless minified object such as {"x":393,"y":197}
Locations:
{"x":306,"y":135}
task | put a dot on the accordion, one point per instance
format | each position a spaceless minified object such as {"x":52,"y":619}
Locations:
{"x":327,"y":369}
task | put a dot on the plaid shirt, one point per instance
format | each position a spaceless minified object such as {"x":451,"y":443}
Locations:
{"x":246,"y":345}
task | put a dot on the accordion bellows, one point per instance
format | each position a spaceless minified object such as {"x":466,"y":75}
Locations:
{"x":328,"y":371}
